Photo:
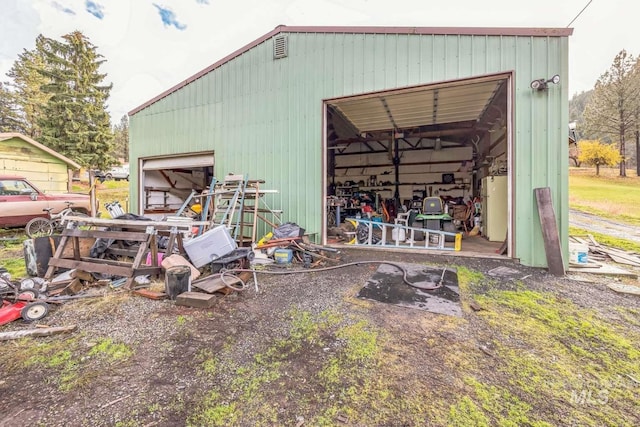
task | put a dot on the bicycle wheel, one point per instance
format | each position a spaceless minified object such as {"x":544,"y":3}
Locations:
{"x":38,"y":227}
{"x":80,"y":225}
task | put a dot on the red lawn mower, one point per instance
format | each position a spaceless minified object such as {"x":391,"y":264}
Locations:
{"x":18,"y":303}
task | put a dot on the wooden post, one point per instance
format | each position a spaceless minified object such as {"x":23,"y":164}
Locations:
{"x":38,"y":332}
{"x":92,"y":194}
{"x":552,"y":247}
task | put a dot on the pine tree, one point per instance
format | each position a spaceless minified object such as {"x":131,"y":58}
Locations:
{"x":9,"y":112}
{"x":75,"y":121}
{"x":611,"y":111}
{"x":121,"y":138}
{"x":27,"y":84}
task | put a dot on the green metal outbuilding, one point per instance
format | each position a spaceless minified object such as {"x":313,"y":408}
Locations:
{"x":401,"y":112}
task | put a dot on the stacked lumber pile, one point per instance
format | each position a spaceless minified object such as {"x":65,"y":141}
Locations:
{"x":602,"y":253}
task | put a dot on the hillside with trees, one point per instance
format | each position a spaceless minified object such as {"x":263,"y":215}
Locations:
{"x":577,"y":104}
{"x":612,"y":113}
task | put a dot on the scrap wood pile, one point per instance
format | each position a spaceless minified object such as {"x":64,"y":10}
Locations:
{"x":599,"y":252}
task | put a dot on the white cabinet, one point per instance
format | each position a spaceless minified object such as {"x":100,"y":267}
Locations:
{"x":495,"y":211}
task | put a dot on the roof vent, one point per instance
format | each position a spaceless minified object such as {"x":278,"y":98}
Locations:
{"x":280,"y":47}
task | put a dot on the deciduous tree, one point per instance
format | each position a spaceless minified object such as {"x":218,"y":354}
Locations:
{"x":598,"y":154}
{"x":611,"y":110}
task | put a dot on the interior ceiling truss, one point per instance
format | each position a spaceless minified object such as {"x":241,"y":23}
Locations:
{"x":422,"y":112}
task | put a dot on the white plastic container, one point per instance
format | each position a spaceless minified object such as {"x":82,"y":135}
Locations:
{"x":398,"y":234}
{"x":212,"y":245}
{"x":578,"y":253}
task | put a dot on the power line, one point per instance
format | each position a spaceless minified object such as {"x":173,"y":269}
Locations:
{"x":579,"y":13}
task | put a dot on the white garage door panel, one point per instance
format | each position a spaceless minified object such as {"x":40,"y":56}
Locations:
{"x":193,"y":161}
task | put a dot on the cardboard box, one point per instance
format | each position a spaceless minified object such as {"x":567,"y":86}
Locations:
{"x":212,"y":245}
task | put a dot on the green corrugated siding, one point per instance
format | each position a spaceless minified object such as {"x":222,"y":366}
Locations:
{"x":264,"y":116}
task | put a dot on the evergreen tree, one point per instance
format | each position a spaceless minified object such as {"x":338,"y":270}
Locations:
{"x":121,"y":138}
{"x":577,"y":105}
{"x":9,"y":112}
{"x":75,"y":121}
{"x":27,"y":84}
{"x":611,"y":111}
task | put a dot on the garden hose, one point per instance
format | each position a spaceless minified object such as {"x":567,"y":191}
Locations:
{"x":231,"y":273}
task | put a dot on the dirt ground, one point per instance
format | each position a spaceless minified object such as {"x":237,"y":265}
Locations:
{"x":303,"y":350}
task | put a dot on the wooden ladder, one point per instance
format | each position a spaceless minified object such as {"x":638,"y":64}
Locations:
{"x":249,"y":214}
{"x":228,"y":201}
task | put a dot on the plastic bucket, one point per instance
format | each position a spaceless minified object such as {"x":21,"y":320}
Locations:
{"x":283,"y":256}
{"x":177,"y":280}
{"x":578,"y":253}
{"x":160,"y":257}
{"x":398,"y":234}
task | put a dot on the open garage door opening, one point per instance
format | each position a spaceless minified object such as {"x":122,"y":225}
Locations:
{"x":166,"y":182}
{"x":434,"y":157}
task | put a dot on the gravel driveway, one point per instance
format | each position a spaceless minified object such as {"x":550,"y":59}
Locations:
{"x":604,"y":226}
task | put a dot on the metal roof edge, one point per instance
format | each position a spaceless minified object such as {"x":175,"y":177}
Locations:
{"x":68,"y":161}
{"x":476,"y":31}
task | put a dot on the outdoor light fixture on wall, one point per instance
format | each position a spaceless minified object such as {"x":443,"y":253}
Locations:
{"x":542,"y":84}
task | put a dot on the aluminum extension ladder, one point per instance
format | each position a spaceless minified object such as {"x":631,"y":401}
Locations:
{"x":373,"y":233}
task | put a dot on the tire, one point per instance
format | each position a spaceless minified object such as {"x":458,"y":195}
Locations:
{"x":56,"y":226}
{"x":34,"y":311}
{"x":418,"y":236}
{"x":59,"y":226}
{"x":38,"y":227}
{"x":28,"y":294}
{"x":449,"y":227}
{"x":108,"y":177}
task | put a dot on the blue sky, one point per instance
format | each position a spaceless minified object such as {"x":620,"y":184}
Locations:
{"x":150,"y":45}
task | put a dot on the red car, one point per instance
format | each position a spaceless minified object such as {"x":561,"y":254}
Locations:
{"x":21,"y":201}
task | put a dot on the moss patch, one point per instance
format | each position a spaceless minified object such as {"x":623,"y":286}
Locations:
{"x":327,"y":367}
{"x":64,"y":362}
{"x":561,"y":359}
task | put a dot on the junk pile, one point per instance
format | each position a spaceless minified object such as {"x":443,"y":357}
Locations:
{"x":191,"y":259}
{"x":286,"y":244}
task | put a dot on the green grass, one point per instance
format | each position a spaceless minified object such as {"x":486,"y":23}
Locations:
{"x":113,"y":352}
{"x":607,"y":195}
{"x":112,"y":191}
{"x":14,"y":265}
